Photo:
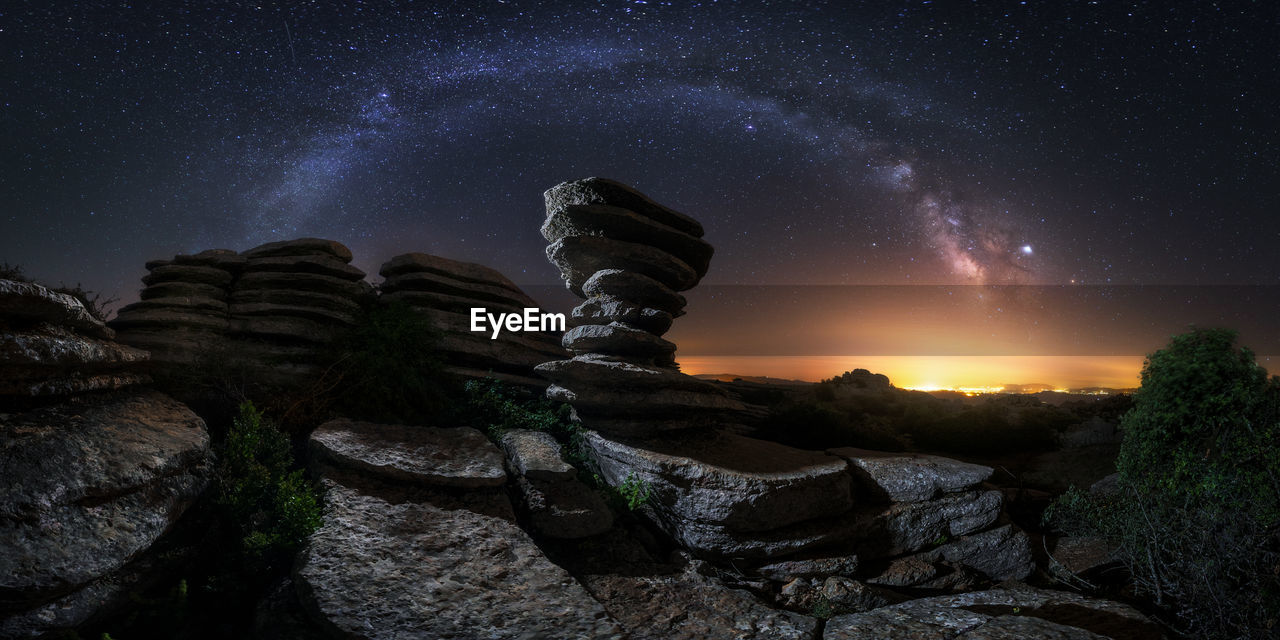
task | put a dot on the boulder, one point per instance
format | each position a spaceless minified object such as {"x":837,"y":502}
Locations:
{"x":400,"y":562}
{"x":300,"y":247}
{"x":605,"y":191}
{"x":912,"y":477}
{"x":478,"y":293}
{"x":618,"y":223}
{"x":558,"y":504}
{"x":690,"y":606}
{"x":225,"y":259}
{"x":27,"y":303}
{"x":726,"y":480}
{"x":90,"y":485}
{"x":1012,"y":613}
{"x":300,"y":281}
{"x":183,"y":290}
{"x":442,"y":457}
{"x":1080,"y":555}
{"x":1001,"y":553}
{"x":906,"y":527}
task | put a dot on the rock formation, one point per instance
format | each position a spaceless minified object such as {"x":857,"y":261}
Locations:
{"x":628,"y":256}
{"x":808,"y":516}
{"x":95,"y":468}
{"x":272,"y":309}
{"x":269,"y":308}
{"x":445,"y":291}
{"x":420,"y":541}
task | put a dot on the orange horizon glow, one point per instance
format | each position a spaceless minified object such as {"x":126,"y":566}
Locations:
{"x":962,"y":373}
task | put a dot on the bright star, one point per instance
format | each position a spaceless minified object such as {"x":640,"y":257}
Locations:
{"x":1026,"y":249}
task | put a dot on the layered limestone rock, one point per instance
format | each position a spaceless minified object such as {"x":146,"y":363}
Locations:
{"x":183,"y":307}
{"x":446,"y":291}
{"x":420,"y":541}
{"x":628,"y":257}
{"x":270,"y":309}
{"x":52,"y":347}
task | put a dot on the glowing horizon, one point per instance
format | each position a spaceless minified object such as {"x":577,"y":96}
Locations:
{"x":961,"y":373}
{"x":970,"y":374}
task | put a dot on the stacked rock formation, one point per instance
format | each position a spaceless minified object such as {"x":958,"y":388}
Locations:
{"x":96,"y":469}
{"x":843,"y":514}
{"x":51,"y":347}
{"x":183,"y":307}
{"x":290,"y":299}
{"x":270,"y":307}
{"x":628,"y":256}
{"x":446,"y":291}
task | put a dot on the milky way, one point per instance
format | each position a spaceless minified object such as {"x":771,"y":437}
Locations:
{"x":916,"y":143}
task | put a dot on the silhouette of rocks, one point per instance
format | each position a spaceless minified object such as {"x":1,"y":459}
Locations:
{"x":446,"y":291}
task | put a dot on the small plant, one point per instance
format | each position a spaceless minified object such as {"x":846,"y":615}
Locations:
{"x":272,"y":507}
{"x":822,"y":608}
{"x":634,"y":491}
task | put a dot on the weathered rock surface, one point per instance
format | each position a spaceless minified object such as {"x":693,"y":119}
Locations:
{"x":788,"y":570}
{"x":558,"y":504}
{"x":445,"y":291}
{"x":405,"y":562}
{"x":905,"y":527}
{"x":580,"y":257}
{"x":90,"y":485}
{"x":1080,"y":555}
{"x":912,"y":477}
{"x":1005,"y":614}
{"x":610,"y":310}
{"x":605,"y":191}
{"x":27,"y":303}
{"x":299,"y":247}
{"x":691,"y":606}
{"x":434,"y":456}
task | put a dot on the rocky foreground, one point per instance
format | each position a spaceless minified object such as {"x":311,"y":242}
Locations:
{"x":440,"y":532}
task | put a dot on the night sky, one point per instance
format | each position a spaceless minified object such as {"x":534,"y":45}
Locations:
{"x":819,"y":143}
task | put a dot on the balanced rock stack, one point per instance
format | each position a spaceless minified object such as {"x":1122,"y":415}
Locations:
{"x":844,"y":514}
{"x":95,"y":468}
{"x":446,"y":291}
{"x":628,"y":256}
{"x":183,"y":307}
{"x":290,"y":299}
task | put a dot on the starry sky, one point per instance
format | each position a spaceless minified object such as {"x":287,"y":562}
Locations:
{"x":840,"y":143}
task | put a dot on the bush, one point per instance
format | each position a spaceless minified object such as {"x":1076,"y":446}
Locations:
{"x":389,"y":369}
{"x":1197,"y":513}
{"x":272,"y":508}
{"x":498,"y":407}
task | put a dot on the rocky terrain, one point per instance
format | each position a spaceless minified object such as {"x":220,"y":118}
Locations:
{"x":96,"y":467}
{"x":667,"y":514}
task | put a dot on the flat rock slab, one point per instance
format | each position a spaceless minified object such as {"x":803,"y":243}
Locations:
{"x":580,"y":257}
{"x":422,"y":564}
{"x":58,"y":347}
{"x":464,"y":271}
{"x":912,"y":477}
{"x":604,"y":191}
{"x":689,"y":606}
{"x":27,"y":302}
{"x":89,"y":485}
{"x":432,"y":456}
{"x":727,"y":480}
{"x":999,"y":614}
{"x":536,"y":455}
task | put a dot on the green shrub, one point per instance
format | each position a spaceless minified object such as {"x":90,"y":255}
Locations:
{"x":389,"y":369}
{"x":272,"y":508}
{"x":498,"y":407}
{"x":1197,"y":512}
{"x":635,"y":491}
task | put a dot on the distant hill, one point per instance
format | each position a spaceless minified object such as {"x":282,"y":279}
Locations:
{"x":733,"y":377}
